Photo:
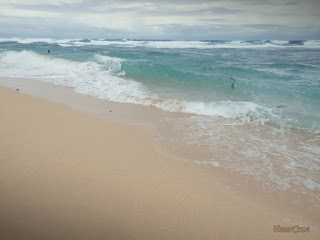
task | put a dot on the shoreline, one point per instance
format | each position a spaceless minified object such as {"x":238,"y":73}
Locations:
{"x":100,"y":108}
{"x":134,"y":194}
{"x":91,"y":106}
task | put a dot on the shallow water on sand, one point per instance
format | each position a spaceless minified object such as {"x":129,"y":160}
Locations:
{"x":273,"y":167}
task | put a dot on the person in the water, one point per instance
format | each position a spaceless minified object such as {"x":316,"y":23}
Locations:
{"x":232,"y":85}
{"x":49,"y":51}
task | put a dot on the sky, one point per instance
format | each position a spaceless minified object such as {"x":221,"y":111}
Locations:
{"x":156,"y":19}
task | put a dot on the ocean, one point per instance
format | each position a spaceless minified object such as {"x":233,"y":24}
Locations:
{"x":252,"y":107}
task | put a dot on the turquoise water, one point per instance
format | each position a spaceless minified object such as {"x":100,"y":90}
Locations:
{"x":276,"y":81}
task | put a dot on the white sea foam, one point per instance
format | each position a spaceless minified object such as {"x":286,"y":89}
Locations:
{"x":200,"y":44}
{"x":279,"y":42}
{"x":245,"y":111}
{"x":27,"y":40}
{"x":212,"y":163}
{"x":101,"y":78}
{"x":98,"y":80}
{"x":112,"y":64}
{"x":279,"y":159}
{"x":175,"y":44}
{"x":109,"y":42}
{"x":37,"y":40}
{"x":312,"y":43}
{"x":178,"y":44}
{"x":168,"y":44}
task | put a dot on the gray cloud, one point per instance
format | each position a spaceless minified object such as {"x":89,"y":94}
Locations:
{"x":292,"y":3}
{"x":68,"y":30}
{"x":265,"y":26}
{"x":179,"y":19}
{"x":223,"y":10}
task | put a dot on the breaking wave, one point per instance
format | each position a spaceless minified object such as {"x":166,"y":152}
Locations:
{"x":103,"y":78}
{"x":170,"y":44}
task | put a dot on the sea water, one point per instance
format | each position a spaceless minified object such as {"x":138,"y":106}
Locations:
{"x":255,"y":103}
{"x":275,"y":81}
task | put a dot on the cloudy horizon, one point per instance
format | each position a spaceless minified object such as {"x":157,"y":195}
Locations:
{"x":150,"y":19}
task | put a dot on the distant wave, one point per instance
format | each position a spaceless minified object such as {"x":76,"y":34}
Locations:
{"x":170,"y":44}
{"x":38,"y":40}
{"x":202,"y":44}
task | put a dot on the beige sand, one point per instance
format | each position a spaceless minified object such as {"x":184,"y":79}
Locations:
{"x":65,"y":175}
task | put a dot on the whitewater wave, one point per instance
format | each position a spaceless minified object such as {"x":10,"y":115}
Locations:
{"x":92,"y":78}
{"x":170,"y":44}
{"x":202,"y":44}
{"x":38,"y":40}
{"x":111,"y":64}
{"x":243,"y":111}
{"x":102,"y":79}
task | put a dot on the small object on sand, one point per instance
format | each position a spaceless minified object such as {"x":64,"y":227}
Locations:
{"x":110,"y":110}
{"x":17,"y":89}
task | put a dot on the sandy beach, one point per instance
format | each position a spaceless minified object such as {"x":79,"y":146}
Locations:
{"x":67,"y":175}
{"x":171,"y":120}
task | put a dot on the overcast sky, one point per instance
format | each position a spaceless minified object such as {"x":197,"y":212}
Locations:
{"x":156,"y":19}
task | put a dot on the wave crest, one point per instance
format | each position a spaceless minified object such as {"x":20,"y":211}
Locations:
{"x":170,"y":44}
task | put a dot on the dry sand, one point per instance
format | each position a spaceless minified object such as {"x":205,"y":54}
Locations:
{"x":66,"y":175}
